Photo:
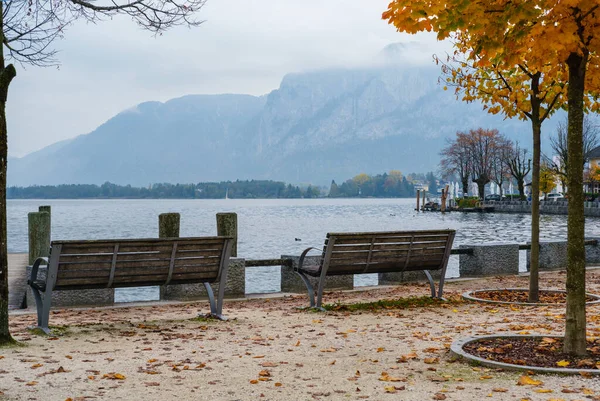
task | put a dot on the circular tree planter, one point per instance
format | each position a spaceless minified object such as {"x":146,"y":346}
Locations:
{"x":472,"y":296}
{"x":456,"y":349}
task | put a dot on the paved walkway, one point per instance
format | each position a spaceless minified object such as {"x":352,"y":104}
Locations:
{"x":17,"y":279}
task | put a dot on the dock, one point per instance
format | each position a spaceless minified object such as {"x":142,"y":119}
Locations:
{"x":17,"y":279}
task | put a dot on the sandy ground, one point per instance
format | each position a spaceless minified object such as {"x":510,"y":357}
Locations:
{"x":268,"y":350}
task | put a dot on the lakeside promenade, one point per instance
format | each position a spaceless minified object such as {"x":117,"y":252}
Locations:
{"x":270,"y":350}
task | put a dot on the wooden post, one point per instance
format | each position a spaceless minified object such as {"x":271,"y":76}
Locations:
{"x":39,"y":235}
{"x":168,"y":225}
{"x":424,"y":199}
{"x":418,"y":198}
{"x":49,"y":210}
{"x":227,"y":227}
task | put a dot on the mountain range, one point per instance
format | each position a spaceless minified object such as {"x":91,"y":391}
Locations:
{"x":317,"y":126}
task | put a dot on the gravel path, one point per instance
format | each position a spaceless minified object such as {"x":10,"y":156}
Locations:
{"x":268,"y":350}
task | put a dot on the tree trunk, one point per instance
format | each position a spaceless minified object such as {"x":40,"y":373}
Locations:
{"x":536,"y":126}
{"x":465,"y":184}
{"x":480,"y":187}
{"x":521,"y":185}
{"x":6,"y":76}
{"x":534,"y":274}
{"x":575,"y":341}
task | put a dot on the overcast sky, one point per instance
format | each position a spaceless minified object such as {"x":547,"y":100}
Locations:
{"x":245,"y":46}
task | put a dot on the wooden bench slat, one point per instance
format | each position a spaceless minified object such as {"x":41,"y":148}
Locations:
{"x":400,"y":262}
{"x":139,"y":241}
{"x":399,"y":253}
{"x":387,"y":240}
{"x":108,"y":247}
{"x":388,"y":246}
{"x":129,"y":271}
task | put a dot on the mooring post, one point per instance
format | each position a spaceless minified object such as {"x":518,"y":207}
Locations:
{"x":168,"y":225}
{"x":227,"y":227}
{"x":47,"y":208}
{"x":418,"y":198}
{"x":39,"y":235}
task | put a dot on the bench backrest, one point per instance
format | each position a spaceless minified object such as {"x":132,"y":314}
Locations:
{"x":381,"y":252}
{"x":138,"y":262}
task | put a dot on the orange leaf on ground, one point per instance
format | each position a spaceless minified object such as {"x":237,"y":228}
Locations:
{"x":528,"y":381}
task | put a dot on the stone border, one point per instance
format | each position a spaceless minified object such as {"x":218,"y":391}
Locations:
{"x":469,"y":296}
{"x":456,"y":349}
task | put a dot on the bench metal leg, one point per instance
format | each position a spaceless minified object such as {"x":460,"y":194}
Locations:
{"x":440,"y":290}
{"x":42,"y":306}
{"x":441,"y":285}
{"x":311,"y":292}
{"x":320,"y":294}
{"x":431,"y":284}
{"x":214,"y":310}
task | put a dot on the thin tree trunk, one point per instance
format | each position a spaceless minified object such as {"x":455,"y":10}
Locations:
{"x":521,"y":185}
{"x":6,"y":76}
{"x":536,"y":125}
{"x":465,"y":185}
{"x":481,"y":188}
{"x":575,"y":341}
{"x":534,"y":284}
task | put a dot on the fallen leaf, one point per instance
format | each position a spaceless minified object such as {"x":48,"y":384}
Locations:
{"x":562,"y":364}
{"x":543,"y":390}
{"x":528,"y":381}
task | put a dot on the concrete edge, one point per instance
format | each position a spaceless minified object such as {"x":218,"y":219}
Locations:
{"x":469,"y":296}
{"x":456,"y":349}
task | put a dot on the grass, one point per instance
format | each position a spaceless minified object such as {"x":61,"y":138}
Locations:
{"x":54,"y":331}
{"x":386,"y":304}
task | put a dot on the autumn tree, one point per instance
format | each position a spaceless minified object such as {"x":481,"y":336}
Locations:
{"x":561,"y":42}
{"x":29,"y":29}
{"x":484,"y":147}
{"x":456,"y":160}
{"x":519,"y":166}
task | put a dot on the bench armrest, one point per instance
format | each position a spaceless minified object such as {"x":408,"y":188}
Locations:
{"x":303,"y":256}
{"x":34,"y":270}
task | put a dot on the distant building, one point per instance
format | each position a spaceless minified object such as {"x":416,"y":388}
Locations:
{"x":591,"y":181}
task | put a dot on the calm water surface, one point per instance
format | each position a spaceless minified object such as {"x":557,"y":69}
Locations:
{"x":269,"y":228}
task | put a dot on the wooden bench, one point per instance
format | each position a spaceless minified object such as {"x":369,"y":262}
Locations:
{"x":117,"y":263}
{"x":379,"y":252}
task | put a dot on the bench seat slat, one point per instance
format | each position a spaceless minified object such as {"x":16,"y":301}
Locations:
{"x":165,"y":254}
{"x":389,"y":246}
{"x":375,"y":254}
{"x":129,"y":271}
{"x":139,"y":263}
{"x":397,"y":239}
{"x":147,"y":279}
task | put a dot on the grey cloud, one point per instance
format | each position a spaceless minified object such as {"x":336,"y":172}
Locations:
{"x":245,"y":46}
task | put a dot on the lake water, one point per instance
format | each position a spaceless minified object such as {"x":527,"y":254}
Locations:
{"x":268,"y":228}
